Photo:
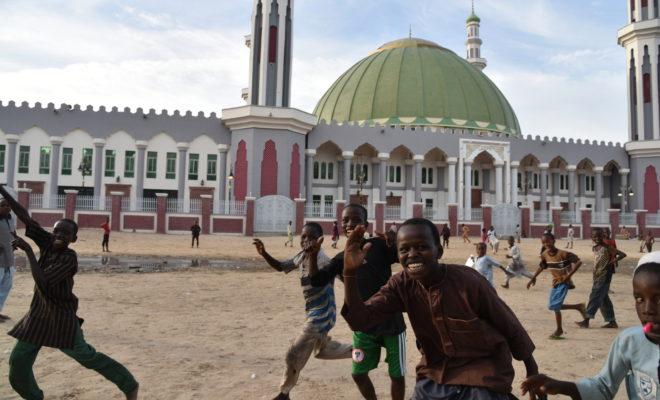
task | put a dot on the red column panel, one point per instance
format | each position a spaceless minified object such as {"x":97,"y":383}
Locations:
{"x":240,"y":172}
{"x":269,"y":170}
{"x":651,"y":192}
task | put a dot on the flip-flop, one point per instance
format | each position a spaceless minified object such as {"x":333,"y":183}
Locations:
{"x":555,"y":337}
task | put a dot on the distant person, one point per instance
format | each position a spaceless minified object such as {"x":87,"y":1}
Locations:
{"x":518,"y":233}
{"x":195,"y":230}
{"x":106,"y":235}
{"x":465,"y":233}
{"x":548,"y":230}
{"x":610,"y":241}
{"x":648,"y":242}
{"x":516,"y":267}
{"x":319,"y":307}
{"x":562,"y":265}
{"x":642,"y":240}
{"x":625,"y":234}
{"x":52,"y":320}
{"x":633,"y":357}
{"x":335,"y":234}
{"x":493,"y":240}
{"x":394,"y":228}
{"x":289,"y":234}
{"x":445,"y":233}
{"x":484,"y":236}
{"x":570,"y":236}
{"x":7,"y":262}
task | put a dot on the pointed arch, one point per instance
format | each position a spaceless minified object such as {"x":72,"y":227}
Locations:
{"x":269,"y":169}
{"x":651,"y":193}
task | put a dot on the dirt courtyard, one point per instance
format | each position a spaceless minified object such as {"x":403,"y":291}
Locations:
{"x":221,"y":333}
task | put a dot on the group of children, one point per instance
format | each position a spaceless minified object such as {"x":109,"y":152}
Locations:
{"x":465,"y":332}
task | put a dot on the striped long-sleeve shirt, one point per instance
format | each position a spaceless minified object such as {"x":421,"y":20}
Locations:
{"x":51,"y":320}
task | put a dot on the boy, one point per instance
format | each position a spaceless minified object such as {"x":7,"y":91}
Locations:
{"x":518,"y":233}
{"x":484,"y":264}
{"x":634,"y":354}
{"x":516,"y":267}
{"x":7,"y":264}
{"x":289,"y":234}
{"x":648,"y":242}
{"x":603,"y":270}
{"x":570,"y":236}
{"x":446,"y":233}
{"x":195,"y":230}
{"x":106,"y":235}
{"x":319,"y":306}
{"x":390,"y":333}
{"x":51,"y":320}
{"x":466,"y":233}
{"x":493,"y":240}
{"x":467,"y":334}
{"x":562,"y":266}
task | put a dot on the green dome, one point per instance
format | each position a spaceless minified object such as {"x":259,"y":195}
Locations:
{"x":473,"y":18}
{"x":417,"y":82}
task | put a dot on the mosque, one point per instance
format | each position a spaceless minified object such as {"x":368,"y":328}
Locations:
{"x":413,"y":128}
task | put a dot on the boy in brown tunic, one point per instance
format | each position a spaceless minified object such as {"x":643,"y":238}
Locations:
{"x":467,"y":334}
{"x":51,"y":320}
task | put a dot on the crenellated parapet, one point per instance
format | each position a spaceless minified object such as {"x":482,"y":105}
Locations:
{"x":102,"y":122}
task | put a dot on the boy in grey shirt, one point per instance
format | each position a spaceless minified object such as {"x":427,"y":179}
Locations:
{"x":7,"y":264}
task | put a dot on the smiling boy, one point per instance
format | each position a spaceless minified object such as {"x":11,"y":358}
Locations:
{"x":467,"y":334}
{"x":51,"y":320}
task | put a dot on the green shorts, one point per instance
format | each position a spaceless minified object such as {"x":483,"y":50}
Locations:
{"x":366,"y":353}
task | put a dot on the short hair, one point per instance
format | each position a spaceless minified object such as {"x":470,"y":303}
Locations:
{"x":72,"y":222}
{"x":512,"y":238}
{"x":424,"y":222}
{"x":549,"y":235}
{"x":652,"y":267}
{"x":481,"y":245}
{"x":315,"y":227}
{"x":361,"y":209}
{"x":597,"y":229}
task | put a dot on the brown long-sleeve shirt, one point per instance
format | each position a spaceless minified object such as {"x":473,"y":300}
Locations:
{"x":51,"y":320}
{"x":467,"y":333}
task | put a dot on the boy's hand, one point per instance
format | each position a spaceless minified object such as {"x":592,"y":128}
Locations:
{"x":19,"y":243}
{"x":354,"y":253}
{"x":531,"y":283}
{"x":389,"y":237}
{"x":261,"y":249}
{"x":540,"y":385}
{"x":312,"y":248}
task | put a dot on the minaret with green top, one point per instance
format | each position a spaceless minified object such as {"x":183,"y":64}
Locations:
{"x":473,"y":42}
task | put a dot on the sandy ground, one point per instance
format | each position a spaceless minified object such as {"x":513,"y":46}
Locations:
{"x":221,"y":334}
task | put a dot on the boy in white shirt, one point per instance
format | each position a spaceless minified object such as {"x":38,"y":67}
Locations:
{"x":516,"y":267}
{"x":570,"y":235}
{"x":484,"y":264}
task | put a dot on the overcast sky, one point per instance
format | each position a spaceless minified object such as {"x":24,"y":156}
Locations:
{"x":556,"y":61}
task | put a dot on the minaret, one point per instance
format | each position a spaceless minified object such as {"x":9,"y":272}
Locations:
{"x":641,"y":39}
{"x":473,"y":42}
{"x":270,"y":46}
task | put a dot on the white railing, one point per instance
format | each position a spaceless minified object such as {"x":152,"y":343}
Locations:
{"x":568,"y":217}
{"x":318,"y":210}
{"x":144,"y":204}
{"x":653,"y":219}
{"x":175,"y":206}
{"x":542,"y":216}
{"x":36,"y":200}
{"x":45,"y":201}
{"x":126,"y":204}
{"x":436,"y":214}
{"x":477,"y":214}
{"x":600,"y":217}
{"x":195,"y":206}
{"x":628,"y":219}
{"x":392,"y":212}
{"x":87,"y":203}
{"x":232,"y":208}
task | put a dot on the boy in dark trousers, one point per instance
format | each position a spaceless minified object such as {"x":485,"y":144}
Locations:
{"x":51,"y":320}
{"x":195,"y":230}
{"x":390,"y":333}
{"x":106,"y":235}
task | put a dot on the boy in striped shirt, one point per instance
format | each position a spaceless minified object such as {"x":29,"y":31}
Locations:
{"x":319,"y":306}
{"x":52,"y":320}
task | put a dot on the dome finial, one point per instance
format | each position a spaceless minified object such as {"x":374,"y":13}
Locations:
{"x":472,"y":6}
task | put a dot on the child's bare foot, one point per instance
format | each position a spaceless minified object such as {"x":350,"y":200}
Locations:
{"x":584,"y":324}
{"x":583,"y":310}
{"x":4,"y":317}
{"x":282,"y":396}
{"x":505,"y":286}
{"x":611,"y":325}
{"x":134,"y":394}
{"x":557,"y":334}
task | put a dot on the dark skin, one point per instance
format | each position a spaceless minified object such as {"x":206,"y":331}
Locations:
{"x":63,"y":234}
{"x":646,"y":291}
{"x":549,"y":246}
{"x":351,"y":219}
{"x":415,"y":246}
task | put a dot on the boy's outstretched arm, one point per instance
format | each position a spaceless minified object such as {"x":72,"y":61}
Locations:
{"x":532,"y":280}
{"x":576,"y":265}
{"x":312,"y":252}
{"x":37,"y":272}
{"x":16,"y":207}
{"x":261,"y":249}
{"x":620,"y":255}
{"x":543,"y":384}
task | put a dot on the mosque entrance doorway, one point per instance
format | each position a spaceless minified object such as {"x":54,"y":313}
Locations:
{"x":273,"y":213}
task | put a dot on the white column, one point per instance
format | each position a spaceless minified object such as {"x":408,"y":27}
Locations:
{"x":309,"y":174}
{"x":418,"y":159}
{"x":12,"y":146}
{"x":624,"y":188}
{"x":56,"y":143}
{"x":514,"y":182}
{"x":139,"y":168}
{"x":498,"y":182}
{"x":382,"y":174}
{"x":639,"y":61}
{"x":598,"y":202}
{"x":99,"y":144}
{"x":638,"y":10}
{"x":181,"y":174}
{"x":544,"y":189}
{"x":653,"y":55}
{"x":467,"y":184}
{"x":507,"y":183}
{"x":221,"y":176}
{"x":348,"y":156}
{"x":651,"y":8}
{"x":571,"y":187}
{"x":451,"y":180}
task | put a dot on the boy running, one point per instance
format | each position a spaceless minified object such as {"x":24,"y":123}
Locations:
{"x":51,"y":320}
{"x":516,"y":267}
{"x":634,"y":355}
{"x":289,"y":234}
{"x":467,"y":334}
{"x":389,"y":333}
{"x":319,"y":306}
{"x":562,"y":265}
{"x":466,"y":233}
{"x":484,"y":264}
{"x":570,"y":236}
{"x":7,"y":264}
{"x":603,"y":270}
{"x":106,"y":235}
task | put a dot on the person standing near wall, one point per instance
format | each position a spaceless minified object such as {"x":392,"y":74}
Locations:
{"x":7,"y":264}
{"x":106,"y":235}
